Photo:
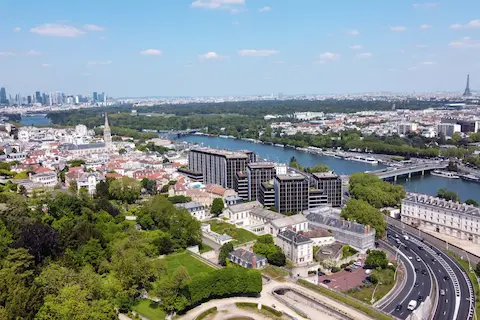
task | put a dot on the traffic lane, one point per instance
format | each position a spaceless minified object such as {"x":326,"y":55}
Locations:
{"x":421,"y":285}
{"x":446,"y":304}
{"x":465,"y":303}
{"x":406,"y":290}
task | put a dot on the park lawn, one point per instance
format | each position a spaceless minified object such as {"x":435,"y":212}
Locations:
{"x":205,"y":248}
{"x":185,"y":259}
{"x":149,"y":309}
{"x":275,"y":273}
{"x":238,"y":234}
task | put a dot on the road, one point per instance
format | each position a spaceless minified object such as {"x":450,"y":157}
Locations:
{"x":418,"y":277}
{"x":457,"y":303}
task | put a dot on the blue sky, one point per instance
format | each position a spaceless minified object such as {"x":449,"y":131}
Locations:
{"x":238,"y":47}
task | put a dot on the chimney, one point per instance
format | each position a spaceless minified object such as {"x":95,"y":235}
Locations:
{"x":254,"y":262}
{"x":365,"y":229}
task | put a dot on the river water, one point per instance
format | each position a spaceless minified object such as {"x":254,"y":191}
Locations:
{"x":427,"y":184}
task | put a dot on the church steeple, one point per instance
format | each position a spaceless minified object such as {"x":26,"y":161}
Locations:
{"x":107,"y":136}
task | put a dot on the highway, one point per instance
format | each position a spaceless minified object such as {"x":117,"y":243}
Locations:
{"x":458,"y":301}
{"x":418,"y":278}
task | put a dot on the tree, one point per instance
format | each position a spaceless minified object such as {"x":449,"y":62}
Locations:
{"x":179,"y":199}
{"x":363,"y":213}
{"x":375,"y":191}
{"x":5,"y":240}
{"x":217,"y":207}
{"x":277,"y":258}
{"x":472,"y":202}
{"x":456,"y":137}
{"x":149,"y":185}
{"x":266,"y":239}
{"x":173,"y":290}
{"x":477,"y":269}
{"x":225,"y":249}
{"x":41,"y":241}
{"x":448,"y":195}
{"x":122,"y":151}
{"x":452,"y":166}
{"x":266,"y":247}
{"x":21,"y":175}
{"x":76,"y":163}
{"x":377,"y":258}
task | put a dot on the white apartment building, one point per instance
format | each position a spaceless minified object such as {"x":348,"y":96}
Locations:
{"x":46,"y":179}
{"x":447,"y":217}
{"x":296,"y":223}
{"x":298,"y":248}
{"x":89,"y":181}
{"x":197,"y":210}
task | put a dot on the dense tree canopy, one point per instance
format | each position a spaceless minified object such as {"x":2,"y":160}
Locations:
{"x":217,"y":206}
{"x":448,"y":195}
{"x":375,"y":191}
{"x":362,"y":212}
{"x":377,"y":258}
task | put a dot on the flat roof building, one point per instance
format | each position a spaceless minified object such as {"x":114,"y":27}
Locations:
{"x":291,"y":193}
{"x":258,"y":173}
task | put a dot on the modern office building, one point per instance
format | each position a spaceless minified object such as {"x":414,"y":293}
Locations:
{"x":448,"y":129}
{"x":447,"y":217}
{"x":3,"y":96}
{"x":267,"y":194}
{"x":291,"y":193}
{"x":94,"y":97}
{"x":218,"y":166}
{"x":258,"y":173}
{"x":331,"y":185}
{"x":241,"y":185}
{"x":406,"y":127}
{"x":317,"y":198}
{"x":38,"y":97}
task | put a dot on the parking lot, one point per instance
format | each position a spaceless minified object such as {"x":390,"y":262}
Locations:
{"x":344,"y":280}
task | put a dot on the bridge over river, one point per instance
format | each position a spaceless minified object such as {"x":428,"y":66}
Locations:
{"x":394,"y":173}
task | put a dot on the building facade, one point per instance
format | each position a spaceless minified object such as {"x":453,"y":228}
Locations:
{"x":331,"y":184}
{"x":298,"y":248}
{"x":291,"y":193}
{"x":197,"y":210}
{"x":218,"y":166}
{"x":258,"y":173}
{"x":450,"y":218}
{"x":247,"y":259}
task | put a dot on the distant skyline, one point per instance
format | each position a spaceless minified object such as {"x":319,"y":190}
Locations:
{"x":239,"y":47}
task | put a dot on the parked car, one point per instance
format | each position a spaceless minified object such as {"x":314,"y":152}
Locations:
{"x":424,"y":272}
{"x":326,"y":281}
{"x":442,"y":292}
{"x":348,"y":269}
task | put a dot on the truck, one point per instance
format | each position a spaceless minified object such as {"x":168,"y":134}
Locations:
{"x":412,"y":305}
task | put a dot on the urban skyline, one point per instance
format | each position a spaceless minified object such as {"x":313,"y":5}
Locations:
{"x":239,"y":47}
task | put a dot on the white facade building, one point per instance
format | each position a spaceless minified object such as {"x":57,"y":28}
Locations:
{"x":447,"y":217}
{"x":89,"y":181}
{"x":81,"y":130}
{"x":298,"y":248}
{"x":296,"y":223}
{"x":197,"y":210}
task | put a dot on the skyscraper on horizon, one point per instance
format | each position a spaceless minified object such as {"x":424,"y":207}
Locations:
{"x":467,"y":92}
{"x":3,"y":96}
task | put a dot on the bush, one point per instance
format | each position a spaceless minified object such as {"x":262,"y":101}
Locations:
{"x":246,"y":304}
{"x":335,"y":269}
{"x":273,"y":311}
{"x":348,"y":251}
{"x":205,"y":313}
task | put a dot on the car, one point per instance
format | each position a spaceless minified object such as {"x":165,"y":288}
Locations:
{"x":416,"y":284}
{"x":418,"y":259}
{"x":398,"y":307}
{"x":442,"y":292}
{"x":433,"y":260}
{"x":410,"y":257}
{"x":420,"y":298}
{"x":369,"y":279}
{"x":446,"y":278}
{"x":439,"y":253}
{"x":407,"y":248}
{"x":365,"y":281}
{"x":326,"y":281}
{"x":416,"y":269}
{"x":424,"y":272}
{"x":348,"y":269}
{"x":420,"y":248}
{"x":423,"y":240}
{"x":320,"y":273}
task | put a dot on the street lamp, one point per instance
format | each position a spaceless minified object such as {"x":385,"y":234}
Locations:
{"x":373,"y":293}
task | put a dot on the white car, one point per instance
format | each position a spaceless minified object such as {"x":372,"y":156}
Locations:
{"x":442,"y":292}
{"x":410,"y":257}
{"x":418,"y":259}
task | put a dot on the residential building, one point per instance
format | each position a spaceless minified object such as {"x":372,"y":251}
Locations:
{"x":448,"y":129}
{"x":250,"y":216}
{"x":89,"y":181}
{"x":404,"y":128}
{"x":298,"y":248}
{"x":218,"y":166}
{"x":258,"y":173}
{"x":247,"y":259}
{"x":359,"y":236}
{"x":297,"y":223}
{"x":291,"y":193}
{"x":331,"y":184}
{"x":197,"y":210}
{"x":450,"y":218}
{"x":45,"y":177}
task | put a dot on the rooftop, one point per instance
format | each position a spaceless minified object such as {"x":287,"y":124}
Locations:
{"x":288,"y":221}
{"x":223,"y":153}
{"x":261,"y":165}
{"x":292,"y":236}
{"x":246,"y":255}
{"x":329,"y":174}
{"x":266,"y":214}
{"x":334,"y":222}
{"x":244,"y":206}
{"x":189,"y":205}
{"x":291,"y":176}
{"x":442,"y":203}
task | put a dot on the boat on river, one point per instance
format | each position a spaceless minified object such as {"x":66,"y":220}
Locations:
{"x":445,"y":174}
{"x":364,"y":159}
{"x":470,"y":178}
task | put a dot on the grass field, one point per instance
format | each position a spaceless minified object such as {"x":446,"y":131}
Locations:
{"x":185,"y":259}
{"x":275,"y":273}
{"x":205,"y":248}
{"x":240,"y":235}
{"x":149,"y":309}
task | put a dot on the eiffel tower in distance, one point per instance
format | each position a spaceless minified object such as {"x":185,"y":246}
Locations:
{"x":467,"y":92}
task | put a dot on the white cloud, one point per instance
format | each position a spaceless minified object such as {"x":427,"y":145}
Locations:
{"x":17,"y":29}
{"x":398,"y":28}
{"x":326,"y":56}
{"x":211,"y":56}
{"x":429,"y":63}
{"x":32,"y":53}
{"x":57,"y":30}
{"x":265,"y":9}
{"x":466,"y":42}
{"x":7,"y":54}
{"x":46,"y":65}
{"x":425,"y":26}
{"x":98,"y":63}
{"x":151,"y":52}
{"x":256,"y":53}
{"x":218,"y":4}
{"x":93,"y":27}
{"x":469,"y":25}
{"x":364,"y":55}
{"x":425,"y":5}
{"x":356,"y":47}
{"x":353,"y":32}
{"x":421,"y":46}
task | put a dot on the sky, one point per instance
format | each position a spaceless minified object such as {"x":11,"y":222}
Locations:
{"x":238,"y":47}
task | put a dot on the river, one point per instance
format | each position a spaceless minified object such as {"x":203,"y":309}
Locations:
{"x":427,"y":184}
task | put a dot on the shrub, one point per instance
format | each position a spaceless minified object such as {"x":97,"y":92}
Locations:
{"x":205,"y":313}
{"x":273,"y":311}
{"x":335,"y":269}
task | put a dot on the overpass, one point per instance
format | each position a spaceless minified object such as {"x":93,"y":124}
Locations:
{"x":394,"y":173}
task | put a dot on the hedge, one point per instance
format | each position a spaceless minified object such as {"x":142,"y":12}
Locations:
{"x":205,"y":313}
{"x":275,"y":312}
{"x":370,"y":311}
{"x":255,"y":306}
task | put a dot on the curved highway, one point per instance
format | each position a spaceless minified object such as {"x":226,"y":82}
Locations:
{"x":418,"y":281}
{"x":455,"y":291}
